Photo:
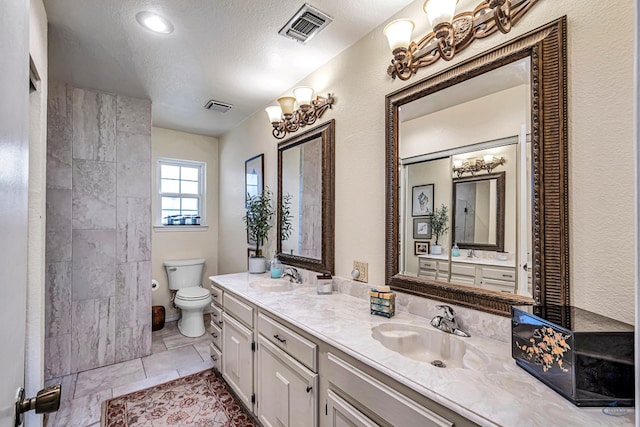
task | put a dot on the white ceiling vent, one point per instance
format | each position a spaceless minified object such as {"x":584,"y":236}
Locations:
{"x":305,"y":24}
{"x":217,"y":106}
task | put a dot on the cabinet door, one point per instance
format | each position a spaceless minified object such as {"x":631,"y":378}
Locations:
{"x":287,"y":390}
{"x":342,"y":414}
{"x":237,"y":358}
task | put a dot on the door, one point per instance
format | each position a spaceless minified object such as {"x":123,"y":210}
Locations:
{"x":14,"y":161}
{"x":342,"y":414}
{"x":237,"y":358}
{"x":287,"y":391}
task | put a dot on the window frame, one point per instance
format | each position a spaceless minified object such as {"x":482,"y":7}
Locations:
{"x":201,"y":196}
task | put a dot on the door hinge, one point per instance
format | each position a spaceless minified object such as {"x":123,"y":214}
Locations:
{"x":253,"y":346}
{"x":326,"y":409}
{"x":253,"y":398}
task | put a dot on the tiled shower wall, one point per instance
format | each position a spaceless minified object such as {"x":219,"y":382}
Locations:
{"x":98,"y":249}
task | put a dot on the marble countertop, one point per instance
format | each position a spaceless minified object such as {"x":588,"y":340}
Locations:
{"x":498,"y":394}
{"x":466,"y":260}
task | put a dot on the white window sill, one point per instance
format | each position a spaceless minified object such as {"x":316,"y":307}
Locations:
{"x":163,"y":228}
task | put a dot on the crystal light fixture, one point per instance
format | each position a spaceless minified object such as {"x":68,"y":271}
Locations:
{"x":285,"y":118}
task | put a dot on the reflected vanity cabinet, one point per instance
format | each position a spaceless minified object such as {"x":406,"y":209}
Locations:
{"x":490,"y":277}
{"x":215,"y":327}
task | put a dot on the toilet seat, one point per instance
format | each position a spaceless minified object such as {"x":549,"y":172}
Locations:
{"x":193,"y":294}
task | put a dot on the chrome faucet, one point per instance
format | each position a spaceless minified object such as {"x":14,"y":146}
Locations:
{"x":471,"y":253}
{"x":448,"y":322}
{"x":293,"y":274}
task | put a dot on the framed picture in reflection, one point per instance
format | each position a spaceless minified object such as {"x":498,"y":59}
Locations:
{"x":422,"y":200}
{"x":422,"y":228}
{"x":421,"y":248}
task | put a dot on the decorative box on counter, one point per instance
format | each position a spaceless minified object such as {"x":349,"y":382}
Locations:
{"x":585,"y":357}
{"x":383,"y":301}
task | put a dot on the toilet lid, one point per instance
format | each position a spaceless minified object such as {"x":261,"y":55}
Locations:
{"x":194,"y":293}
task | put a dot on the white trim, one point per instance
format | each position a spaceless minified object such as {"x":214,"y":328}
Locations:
{"x":202,"y":196}
{"x":163,"y":228}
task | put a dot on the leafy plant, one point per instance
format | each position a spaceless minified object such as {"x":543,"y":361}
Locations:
{"x":286,"y":217}
{"x":258,"y":218}
{"x":439,"y":221}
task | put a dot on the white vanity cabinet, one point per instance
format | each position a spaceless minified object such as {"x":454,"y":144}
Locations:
{"x":357,"y":398}
{"x":287,"y":393}
{"x":238,"y":346}
{"x":476,"y":274}
{"x":215,"y":326}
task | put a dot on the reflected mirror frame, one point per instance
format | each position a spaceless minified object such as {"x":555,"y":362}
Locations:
{"x":326,"y":263}
{"x":500,"y":205}
{"x":547,"y":48}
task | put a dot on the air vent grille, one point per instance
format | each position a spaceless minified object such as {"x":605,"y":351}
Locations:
{"x":217,"y":106}
{"x":305,"y":24}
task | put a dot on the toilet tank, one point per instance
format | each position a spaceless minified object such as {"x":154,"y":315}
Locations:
{"x":184,"y":273}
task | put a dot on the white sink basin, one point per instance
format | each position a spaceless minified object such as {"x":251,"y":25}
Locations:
{"x":429,"y":345}
{"x":272,"y":285}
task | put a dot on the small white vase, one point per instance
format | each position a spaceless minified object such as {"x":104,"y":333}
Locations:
{"x":436,"y":249}
{"x":257,"y":264}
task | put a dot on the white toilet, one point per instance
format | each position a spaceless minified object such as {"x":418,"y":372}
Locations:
{"x":185,"y":277}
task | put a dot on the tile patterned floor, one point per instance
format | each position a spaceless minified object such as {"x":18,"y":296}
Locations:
{"x":172,"y":356}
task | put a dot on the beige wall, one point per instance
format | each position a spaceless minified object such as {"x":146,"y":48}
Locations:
{"x":173,"y":245}
{"x":34,"y":351}
{"x":600,"y":83}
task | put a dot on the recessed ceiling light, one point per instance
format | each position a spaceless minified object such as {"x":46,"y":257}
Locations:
{"x":154,"y":22}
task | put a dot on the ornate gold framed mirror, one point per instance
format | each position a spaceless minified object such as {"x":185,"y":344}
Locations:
{"x":545,"y":260}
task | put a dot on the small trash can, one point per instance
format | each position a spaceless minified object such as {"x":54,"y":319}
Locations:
{"x":157,"y":320}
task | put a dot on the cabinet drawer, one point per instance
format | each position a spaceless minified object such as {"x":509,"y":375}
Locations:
{"x":216,"y":314}
{"x":427,"y":264}
{"x":238,"y":309}
{"x":463,"y":280}
{"x":297,"y":346}
{"x":499,"y":285}
{"x":216,"y":356}
{"x":216,"y":294}
{"x":463,"y":270}
{"x":507,"y":274}
{"x":443,"y":267}
{"x":216,"y":334}
{"x":390,"y":405}
{"x":429,"y":274}
{"x":342,"y":413}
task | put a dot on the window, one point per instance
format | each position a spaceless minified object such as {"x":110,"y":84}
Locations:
{"x":181,"y":192}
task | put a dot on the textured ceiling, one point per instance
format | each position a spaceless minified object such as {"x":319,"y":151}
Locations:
{"x":228,"y":50}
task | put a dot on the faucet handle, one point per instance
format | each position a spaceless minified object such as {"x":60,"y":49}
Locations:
{"x":448,"y":311}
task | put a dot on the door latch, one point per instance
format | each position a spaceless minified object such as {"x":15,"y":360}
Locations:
{"x":47,"y":400}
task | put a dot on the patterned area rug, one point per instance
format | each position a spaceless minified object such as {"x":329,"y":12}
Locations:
{"x":199,"y":400}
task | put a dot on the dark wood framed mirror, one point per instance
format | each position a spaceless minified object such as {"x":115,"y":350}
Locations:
{"x":306,"y":199}
{"x":477,"y":214}
{"x":547,"y":264}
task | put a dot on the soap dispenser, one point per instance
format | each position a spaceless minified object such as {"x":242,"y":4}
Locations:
{"x":455,"y":251}
{"x":276,"y":268}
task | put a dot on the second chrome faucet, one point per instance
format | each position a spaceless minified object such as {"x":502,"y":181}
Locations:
{"x":447,"y":322}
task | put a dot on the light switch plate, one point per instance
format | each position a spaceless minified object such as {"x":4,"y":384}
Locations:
{"x":363,"y":268}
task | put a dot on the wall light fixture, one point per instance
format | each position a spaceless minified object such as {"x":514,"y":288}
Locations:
{"x":450,"y":34}
{"x":474,"y":165}
{"x":285,"y":118}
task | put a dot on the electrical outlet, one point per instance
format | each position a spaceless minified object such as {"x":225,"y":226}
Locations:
{"x":363,"y":268}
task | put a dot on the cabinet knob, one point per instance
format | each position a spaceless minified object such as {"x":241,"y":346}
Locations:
{"x":213,"y":294}
{"x":213,"y":334}
{"x":309,"y":388}
{"x":214,"y":358}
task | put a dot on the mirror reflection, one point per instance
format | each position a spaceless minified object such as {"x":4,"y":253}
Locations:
{"x":302,"y":195}
{"x":468,"y":144}
{"x":478,"y":211}
{"x":305,"y":199}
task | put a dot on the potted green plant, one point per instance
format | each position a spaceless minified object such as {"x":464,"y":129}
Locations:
{"x":258,"y":223}
{"x":439,"y":227}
